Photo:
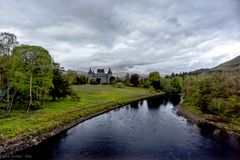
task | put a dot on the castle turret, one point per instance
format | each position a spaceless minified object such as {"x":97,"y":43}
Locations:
{"x":90,"y":71}
{"x":109,"y":71}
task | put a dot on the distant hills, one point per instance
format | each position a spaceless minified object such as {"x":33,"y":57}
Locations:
{"x":229,"y":66}
{"x":232,"y":65}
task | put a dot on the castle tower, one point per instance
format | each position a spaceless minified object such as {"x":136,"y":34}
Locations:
{"x":110,"y":71}
{"x":90,"y":71}
{"x":109,"y":75}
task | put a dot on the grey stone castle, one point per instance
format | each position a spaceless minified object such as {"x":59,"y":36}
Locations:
{"x":100,"y":76}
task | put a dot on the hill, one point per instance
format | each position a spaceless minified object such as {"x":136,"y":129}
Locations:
{"x":232,"y":65}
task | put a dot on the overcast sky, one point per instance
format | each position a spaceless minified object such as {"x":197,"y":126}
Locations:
{"x":128,"y":35}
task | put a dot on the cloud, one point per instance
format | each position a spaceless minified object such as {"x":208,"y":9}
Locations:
{"x":128,"y":35}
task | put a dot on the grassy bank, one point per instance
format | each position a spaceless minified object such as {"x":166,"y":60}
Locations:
{"x":94,"y":99}
{"x":228,"y":123}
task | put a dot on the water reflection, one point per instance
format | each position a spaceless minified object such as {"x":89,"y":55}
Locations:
{"x":48,"y":147}
{"x":175,"y":99}
{"x":141,"y":102}
{"x":134,"y":105}
{"x":155,"y":102}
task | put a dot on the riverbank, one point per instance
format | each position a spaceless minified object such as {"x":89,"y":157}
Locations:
{"x":217,"y":127}
{"x":21,"y":130}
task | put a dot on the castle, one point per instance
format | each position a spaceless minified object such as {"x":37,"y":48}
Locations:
{"x":100,"y":76}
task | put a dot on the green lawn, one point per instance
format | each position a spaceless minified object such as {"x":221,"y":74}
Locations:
{"x":94,"y":98}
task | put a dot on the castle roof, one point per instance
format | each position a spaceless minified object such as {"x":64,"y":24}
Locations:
{"x":100,"y":71}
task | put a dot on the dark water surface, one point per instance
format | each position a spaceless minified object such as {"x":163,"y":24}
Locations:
{"x":145,"y":130}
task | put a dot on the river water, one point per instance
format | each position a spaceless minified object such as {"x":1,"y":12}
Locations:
{"x":147,"y":129}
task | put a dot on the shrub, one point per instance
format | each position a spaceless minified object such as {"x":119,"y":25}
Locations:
{"x":93,"y":81}
{"x":151,"y":89}
{"x":155,"y":85}
{"x":35,"y":105}
{"x":222,"y":107}
{"x":119,"y":85}
{"x":74,"y":96}
{"x":215,"y":105}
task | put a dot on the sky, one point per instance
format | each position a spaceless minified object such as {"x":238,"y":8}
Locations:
{"x":128,"y":35}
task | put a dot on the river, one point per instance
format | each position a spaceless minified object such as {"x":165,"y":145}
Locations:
{"x":146,"y":129}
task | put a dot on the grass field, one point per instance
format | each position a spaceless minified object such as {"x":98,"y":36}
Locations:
{"x":94,"y":98}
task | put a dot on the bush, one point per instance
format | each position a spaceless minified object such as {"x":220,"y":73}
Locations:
{"x":155,"y":85}
{"x":223,"y":107}
{"x":35,"y":105}
{"x":93,"y":81}
{"x":176,"y":84}
{"x":119,"y":85}
{"x":215,"y":106}
{"x":74,"y":96}
{"x":151,"y":89}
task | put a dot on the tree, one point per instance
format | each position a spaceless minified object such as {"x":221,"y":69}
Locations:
{"x":134,"y":79}
{"x":176,"y":84}
{"x":144,"y":82}
{"x":7,"y":43}
{"x":61,"y":86}
{"x":164,"y":82}
{"x":127,"y":79}
{"x":93,"y":81}
{"x":33,"y":65}
{"x":154,"y":76}
{"x":154,"y":79}
{"x":72,"y":76}
{"x":81,"y":80}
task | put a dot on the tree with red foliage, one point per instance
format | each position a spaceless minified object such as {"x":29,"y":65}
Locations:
{"x":134,"y":79}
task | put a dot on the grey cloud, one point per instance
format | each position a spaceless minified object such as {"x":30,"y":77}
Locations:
{"x":128,"y":35}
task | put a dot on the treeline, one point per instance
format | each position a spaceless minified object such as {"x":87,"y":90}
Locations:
{"x":76,"y":79}
{"x":28,"y":75}
{"x":217,"y":94}
{"x":154,"y":81}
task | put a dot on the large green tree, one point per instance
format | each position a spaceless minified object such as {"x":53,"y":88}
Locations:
{"x":154,"y":79}
{"x":61,"y":85}
{"x":32,"y":69}
{"x":154,"y":76}
{"x":8,"y":42}
{"x":127,"y":79}
{"x":81,"y":79}
{"x":176,"y":84}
